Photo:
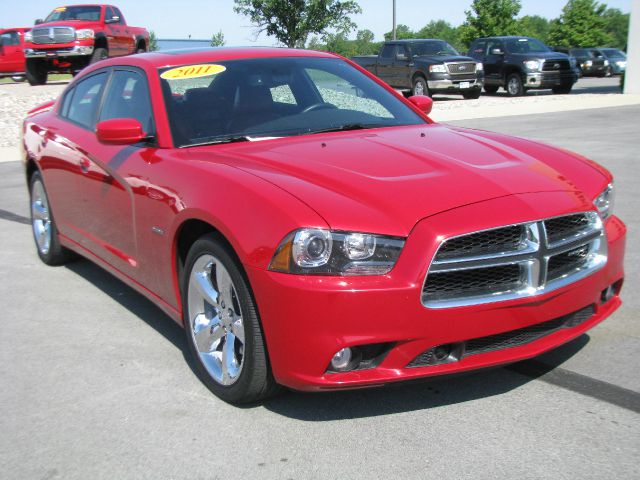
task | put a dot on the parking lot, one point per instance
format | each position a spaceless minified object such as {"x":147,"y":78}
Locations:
{"x":95,"y":383}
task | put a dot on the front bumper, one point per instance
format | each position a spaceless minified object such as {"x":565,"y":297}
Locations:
{"x":454,"y":85}
{"x":60,"y":52}
{"x":550,"y":79}
{"x":308,"y":319}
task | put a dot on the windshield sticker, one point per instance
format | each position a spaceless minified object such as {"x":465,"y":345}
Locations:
{"x":192,"y":71}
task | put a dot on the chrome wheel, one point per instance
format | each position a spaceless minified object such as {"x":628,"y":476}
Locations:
{"x":419,"y":88}
{"x":40,"y":217}
{"x":215,"y":320}
{"x":513,"y":86}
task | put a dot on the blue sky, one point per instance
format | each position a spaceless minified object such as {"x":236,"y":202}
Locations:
{"x":201,"y":18}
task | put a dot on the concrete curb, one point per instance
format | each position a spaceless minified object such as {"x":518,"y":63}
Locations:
{"x":9,"y":154}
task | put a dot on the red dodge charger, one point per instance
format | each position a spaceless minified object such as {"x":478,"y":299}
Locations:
{"x":309,"y":227}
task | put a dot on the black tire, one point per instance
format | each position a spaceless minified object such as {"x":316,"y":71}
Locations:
{"x":255,"y":381}
{"x":472,"y":95}
{"x":99,"y":54}
{"x":514,"y":86}
{"x":419,"y":86}
{"x":36,"y":72}
{"x":491,"y":89}
{"x":54,"y":253}
{"x":564,"y":90}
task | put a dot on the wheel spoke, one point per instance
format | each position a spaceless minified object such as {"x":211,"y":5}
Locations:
{"x":237,"y":327}
{"x":229,"y":363}
{"x":224,"y":284}
{"x":207,"y":332}
{"x":40,"y":211}
{"x":203,"y":284}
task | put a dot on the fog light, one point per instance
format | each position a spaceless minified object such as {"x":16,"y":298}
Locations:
{"x":607,"y":293}
{"x":442,"y":352}
{"x":341,"y":361}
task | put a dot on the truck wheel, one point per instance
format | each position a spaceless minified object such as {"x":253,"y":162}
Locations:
{"x":514,"y":85}
{"x":99,"y":54}
{"x":18,"y":78}
{"x":472,"y":95}
{"x":490,"y":88}
{"x":420,"y":87}
{"x":36,"y":72}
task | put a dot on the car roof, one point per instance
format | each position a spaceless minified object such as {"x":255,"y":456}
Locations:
{"x":505,"y":37}
{"x":179,"y":57}
{"x":412,"y":40}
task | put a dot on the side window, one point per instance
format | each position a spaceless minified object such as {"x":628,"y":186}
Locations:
{"x":64,"y":110}
{"x":83,"y":107}
{"x":478,"y":49}
{"x":401,"y":53}
{"x":9,"y":39}
{"x":493,"y":44}
{"x":109,"y":13}
{"x":387,"y":52}
{"x":117,"y":12}
{"x":128,"y":97}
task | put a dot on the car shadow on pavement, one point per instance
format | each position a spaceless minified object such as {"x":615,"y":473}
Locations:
{"x":328,"y":406}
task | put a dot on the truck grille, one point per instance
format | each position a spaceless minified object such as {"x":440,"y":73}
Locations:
{"x":510,"y":339}
{"x":49,"y":35}
{"x":555,"y":65}
{"x":515,"y":261}
{"x":460,"y":68}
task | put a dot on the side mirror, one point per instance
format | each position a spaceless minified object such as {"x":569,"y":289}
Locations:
{"x":114,"y":19}
{"x":120,"y":131}
{"x":424,"y":103}
{"x":497,"y":51}
{"x":38,"y":21}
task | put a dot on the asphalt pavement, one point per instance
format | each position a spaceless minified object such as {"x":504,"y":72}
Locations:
{"x":94,"y":382}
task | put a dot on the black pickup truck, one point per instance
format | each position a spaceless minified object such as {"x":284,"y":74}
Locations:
{"x":521,"y":63}
{"x":425,"y":67}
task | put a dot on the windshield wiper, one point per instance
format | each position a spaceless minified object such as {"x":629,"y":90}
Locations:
{"x":216,"y":141}
{"x":348,"y":126}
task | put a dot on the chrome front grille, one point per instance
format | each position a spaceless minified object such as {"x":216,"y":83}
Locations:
{"x":50,"y":35}
{"x":515,"y":261}
{"x":461,"y":68}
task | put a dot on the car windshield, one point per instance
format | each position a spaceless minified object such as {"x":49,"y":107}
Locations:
{"x":432,"y":47}
{"x":88,"y":13}
{"x":249,"y":99}
{"x":613,"y":53}
{"x":526,"y":45}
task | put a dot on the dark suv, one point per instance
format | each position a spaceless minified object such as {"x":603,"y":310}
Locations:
{"x":521,"y":63}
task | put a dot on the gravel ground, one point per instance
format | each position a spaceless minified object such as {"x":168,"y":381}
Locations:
{"x":16,"y":99}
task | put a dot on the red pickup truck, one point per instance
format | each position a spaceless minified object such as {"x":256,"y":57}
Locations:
{"x":12,"y":53}
{"x":72,"y":37}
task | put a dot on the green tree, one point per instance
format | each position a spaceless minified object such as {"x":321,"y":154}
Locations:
{"x":217,"y":40}
{"x":292,"y":21}
{"x":402,"y":32}
{"x":365,"y":43}
{"x":581,"y":24}
{"x":442,"y":30}
{"x":339,"y":43}
{"x":617,"y":26}
{"x":490,"y":17}
{"x":534,"y":26}
{"x":153,"y":42}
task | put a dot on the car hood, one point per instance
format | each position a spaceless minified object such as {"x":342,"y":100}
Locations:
{"x":386,"y":180}
{"x":77,"y":24}
{"x":541,"y":55}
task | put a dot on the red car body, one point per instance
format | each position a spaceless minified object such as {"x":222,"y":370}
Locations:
{"x":12,"y":63}
{"x":131,"y":208}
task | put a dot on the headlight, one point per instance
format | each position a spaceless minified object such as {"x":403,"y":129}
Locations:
{"x":479,"y":67}
{"x":604,"y":202}
{"x":588,"y":63}
{"x":606,"y":63}
{"x":316,"y":251}
{"x":437,"y":68}
{"x":621,"y":63}
{"x":84,"y":34}
{"x":532,"y":65}
{"x":28,"y":37}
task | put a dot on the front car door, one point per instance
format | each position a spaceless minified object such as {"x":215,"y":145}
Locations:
{"x":127,"y":40}
{"x":402,"y":68}
{"x":11,"y":53}
{"x":494,"y":62}
{"x":114,"y":32}
{"x":386,"y":60}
